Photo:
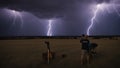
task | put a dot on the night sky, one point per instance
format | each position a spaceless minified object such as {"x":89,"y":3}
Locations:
{"x":69,"y":17}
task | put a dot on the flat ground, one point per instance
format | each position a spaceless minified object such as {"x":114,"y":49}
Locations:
{"x":27,"y":53}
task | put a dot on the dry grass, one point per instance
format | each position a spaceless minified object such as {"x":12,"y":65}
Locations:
{"x":28,"y":53}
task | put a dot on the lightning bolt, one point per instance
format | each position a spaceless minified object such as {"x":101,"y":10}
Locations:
{"x":16,"y":13}
{"x":93,"y":18}
{"x":21,"y":18}
{"x":49,"y":33}
{"x":14,"y":19}
{"x":111,"y":7}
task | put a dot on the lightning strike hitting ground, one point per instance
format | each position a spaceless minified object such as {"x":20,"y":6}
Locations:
{"x":92,"y":20}
{"x":112,"y":7}
{"x":49,"y":33}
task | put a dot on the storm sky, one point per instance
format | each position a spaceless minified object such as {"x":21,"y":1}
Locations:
{"x":70,"y":18}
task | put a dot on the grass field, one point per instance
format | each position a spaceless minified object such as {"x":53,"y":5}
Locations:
{"x":27,"y":53}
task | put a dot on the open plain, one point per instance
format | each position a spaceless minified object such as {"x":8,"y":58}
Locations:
{"x":27,"y":53}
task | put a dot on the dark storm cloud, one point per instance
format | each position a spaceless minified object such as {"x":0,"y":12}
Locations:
{"x":74,"y":17}
{"x":48,"y":9}
{"x":101,"y":1}
{"x":42,"y":8}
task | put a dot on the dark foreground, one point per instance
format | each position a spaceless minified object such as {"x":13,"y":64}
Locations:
{"x":27,"y":53}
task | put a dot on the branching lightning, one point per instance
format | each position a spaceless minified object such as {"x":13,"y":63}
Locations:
{"x":21,"y":18}
{"x":16,"y":13}
{"x":14,"y":19}
{"x":112,"y":6}
{"x":49,"y":33}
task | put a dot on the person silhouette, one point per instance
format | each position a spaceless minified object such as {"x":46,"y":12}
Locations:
{"x":85,"y":48}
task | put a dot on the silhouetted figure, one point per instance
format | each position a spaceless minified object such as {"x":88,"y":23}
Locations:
{"x":85,"y":48}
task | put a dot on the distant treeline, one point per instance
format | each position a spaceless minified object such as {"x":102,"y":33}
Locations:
{"x":53,"y":37}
